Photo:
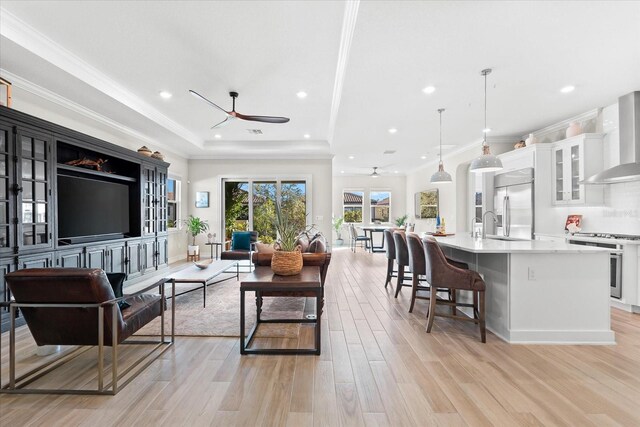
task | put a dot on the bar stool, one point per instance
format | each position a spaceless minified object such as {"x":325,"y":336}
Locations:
{"x":417,"y":267}
{"x":402,"y":258}
{"x":442,"y":274}
{"x":390,"y":251}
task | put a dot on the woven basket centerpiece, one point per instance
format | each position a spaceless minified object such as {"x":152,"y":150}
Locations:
{"x":287,"y":263}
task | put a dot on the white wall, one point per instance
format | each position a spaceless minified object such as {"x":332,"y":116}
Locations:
{"x":56,"y":114}
{"x":206,"y":175}
{"x":395,"y":184}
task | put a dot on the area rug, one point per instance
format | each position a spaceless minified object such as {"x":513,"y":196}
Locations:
{"x":221,"y":316}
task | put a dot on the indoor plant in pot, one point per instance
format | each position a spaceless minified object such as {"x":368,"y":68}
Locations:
{"x":337,"y":225}
{"x":195,"y":226}
{"x":402,"y":220}
{"x":287,"y":259}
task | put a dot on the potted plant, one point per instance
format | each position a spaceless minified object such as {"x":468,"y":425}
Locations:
{"x":195,"y":226}
{"x":401,"y":221}
{"x":287,"y":259}
{"x":337,"y":225}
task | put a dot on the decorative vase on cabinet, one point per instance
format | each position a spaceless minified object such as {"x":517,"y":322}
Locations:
{"x":573,"y":129}
{"x":531,"y":140}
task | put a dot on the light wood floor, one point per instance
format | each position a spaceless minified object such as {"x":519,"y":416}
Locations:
{"x":378,"y":367}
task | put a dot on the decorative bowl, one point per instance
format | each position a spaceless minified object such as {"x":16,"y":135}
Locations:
{"x":158,"y":155}
{"x":145,"y":151}
{"x":202,"y":264}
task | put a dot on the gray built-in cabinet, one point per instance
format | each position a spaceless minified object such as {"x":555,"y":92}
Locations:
{"x":34,"y":153}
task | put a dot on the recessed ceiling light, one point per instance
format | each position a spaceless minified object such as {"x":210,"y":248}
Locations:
{"x":486,"y":130}
{"x":301,"y":95}
{"x":423,"y":157}
{"x":429,"y":89}
{"x":217,"y":136}
{"x":307,"y":136}
{"x":341,"y":171}
{"x":351,"y":157}
{"x":395,"y":171}
{"x":393,"y":130}
{"x":166,"y":95}
{"x":567,"y":89}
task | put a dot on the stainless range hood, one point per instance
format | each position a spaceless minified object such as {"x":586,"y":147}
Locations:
{"x":629,"y":125}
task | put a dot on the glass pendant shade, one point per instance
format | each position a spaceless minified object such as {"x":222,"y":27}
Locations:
{"x":487,"y":162}
{"x":441,"y":177}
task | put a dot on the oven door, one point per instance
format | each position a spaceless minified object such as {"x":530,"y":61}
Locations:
{"x":615,"y":270}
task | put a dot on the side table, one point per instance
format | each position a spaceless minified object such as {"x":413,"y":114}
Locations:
{"x":218,"y":246}
{"x":262,"y":279}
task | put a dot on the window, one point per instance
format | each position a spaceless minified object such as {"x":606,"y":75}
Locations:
{"x":352,"y":206}
{"x":380,"y":206}
{"x":173,"y":203}
{"x":250,"y":205}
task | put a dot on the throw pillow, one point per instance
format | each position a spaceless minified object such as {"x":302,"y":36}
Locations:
{"x":241,"y":241}
{"x":265,"y":248}
{"x":318,"y":245}
{"x":303,"y":242}
{"x":117,"y":281}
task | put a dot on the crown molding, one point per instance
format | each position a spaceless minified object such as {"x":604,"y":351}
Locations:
{"x":552,"y":131}
{"x":348,"y":28}
{"x":28,"y":86}
{"x":21,"y":33}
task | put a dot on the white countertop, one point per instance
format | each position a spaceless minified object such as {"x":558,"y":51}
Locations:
{"x":469,"y":244}
{"x":593,"y":239}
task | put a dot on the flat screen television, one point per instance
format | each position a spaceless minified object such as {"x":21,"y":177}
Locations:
{"x":89,"y":207}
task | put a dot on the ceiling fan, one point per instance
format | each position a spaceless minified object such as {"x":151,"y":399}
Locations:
{"x":231,"y":115}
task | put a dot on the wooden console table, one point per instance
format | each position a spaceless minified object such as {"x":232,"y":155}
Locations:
{"x":262,"y":279}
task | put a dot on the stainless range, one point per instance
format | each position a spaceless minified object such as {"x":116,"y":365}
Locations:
{"x":609,"y":241}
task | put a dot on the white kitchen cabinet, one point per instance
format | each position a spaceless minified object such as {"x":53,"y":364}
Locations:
{"x":575,"y":159}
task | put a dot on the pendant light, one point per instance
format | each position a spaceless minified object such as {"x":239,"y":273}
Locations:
{"x":441,"y":177}
{"x":486,"y":162}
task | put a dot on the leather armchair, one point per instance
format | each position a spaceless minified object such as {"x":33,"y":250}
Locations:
{"x":241,"y":254}
{"x":77,"y":306}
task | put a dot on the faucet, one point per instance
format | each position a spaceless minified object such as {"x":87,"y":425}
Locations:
{"x":473,"y":226}
{"x":484,"y":228}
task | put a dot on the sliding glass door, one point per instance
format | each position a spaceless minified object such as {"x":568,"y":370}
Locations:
{"x":251,"y":205}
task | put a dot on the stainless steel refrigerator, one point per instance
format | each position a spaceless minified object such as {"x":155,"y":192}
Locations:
{"x":513,"y":203}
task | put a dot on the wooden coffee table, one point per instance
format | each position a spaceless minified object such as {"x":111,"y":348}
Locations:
{"x":262,"y":279}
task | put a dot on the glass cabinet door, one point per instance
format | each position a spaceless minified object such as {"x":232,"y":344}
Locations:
{"x":149,"y":201}
{"x":575,"y":172}
{"x":34,"y":200}
{"x":162,"y":201}
{"x":559,"y":184}
{"x":6,"y":228}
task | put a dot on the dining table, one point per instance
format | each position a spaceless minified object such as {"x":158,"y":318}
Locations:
{"x":368,"y":232}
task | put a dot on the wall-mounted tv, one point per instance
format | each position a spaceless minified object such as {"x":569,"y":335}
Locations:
{"x":90,"y":207}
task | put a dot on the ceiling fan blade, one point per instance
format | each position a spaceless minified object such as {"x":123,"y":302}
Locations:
{"x":265,"y":119}
{"x":225,"y":122}
{"x":197,"y":95}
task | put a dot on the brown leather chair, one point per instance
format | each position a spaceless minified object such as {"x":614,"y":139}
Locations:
{"x":402,"y":258}
{"x":77,"y":306}
{"x":442,"y":274}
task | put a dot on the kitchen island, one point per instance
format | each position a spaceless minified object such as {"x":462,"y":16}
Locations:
{"x":540,"y":291}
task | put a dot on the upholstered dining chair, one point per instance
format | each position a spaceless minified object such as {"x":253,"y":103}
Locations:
{"x":442,"y":274}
